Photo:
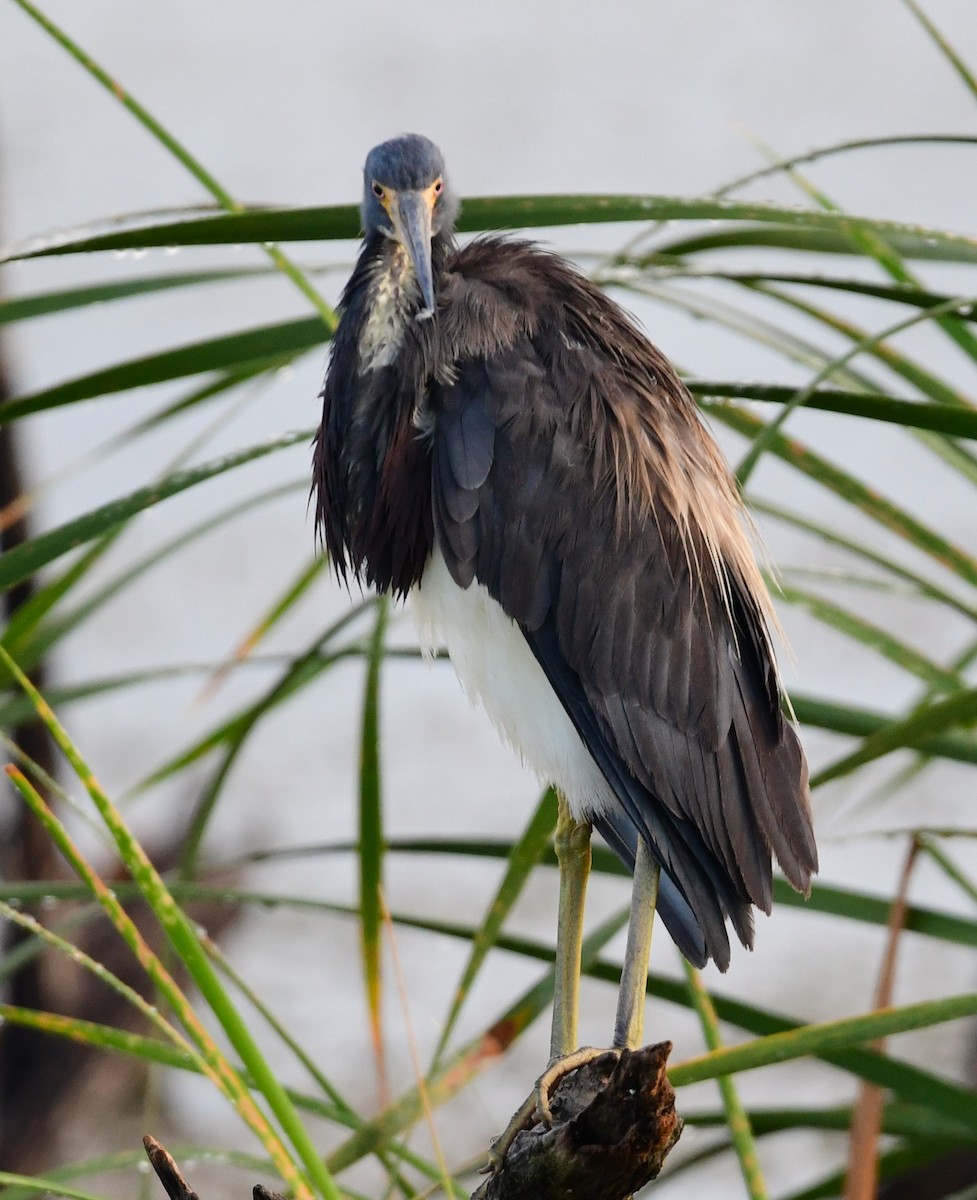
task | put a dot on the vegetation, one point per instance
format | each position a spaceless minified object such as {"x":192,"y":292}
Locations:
{"x":834,"y":299}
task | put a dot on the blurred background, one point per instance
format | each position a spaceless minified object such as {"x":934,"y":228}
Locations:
{"x":281,"y":103}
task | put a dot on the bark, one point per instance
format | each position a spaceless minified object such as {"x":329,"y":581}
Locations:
{"x":614,"y":1124}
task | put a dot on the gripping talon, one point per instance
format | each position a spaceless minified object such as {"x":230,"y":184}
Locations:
{"x":536,"y":1109}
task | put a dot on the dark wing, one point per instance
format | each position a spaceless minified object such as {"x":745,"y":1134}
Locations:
{"x":664,"y":669}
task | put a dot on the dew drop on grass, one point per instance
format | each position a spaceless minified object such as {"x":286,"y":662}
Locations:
{"x":171,"y":251}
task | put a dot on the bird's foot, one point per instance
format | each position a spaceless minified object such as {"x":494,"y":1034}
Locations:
{"x":536,"y":1108}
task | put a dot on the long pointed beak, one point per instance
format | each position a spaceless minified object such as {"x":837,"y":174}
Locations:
{"x":412,"y":222}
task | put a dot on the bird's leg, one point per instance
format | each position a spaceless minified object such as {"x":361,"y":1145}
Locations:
{"x":572,"y":845}
{"x":634,"y":977}
{"x":634,"y":973}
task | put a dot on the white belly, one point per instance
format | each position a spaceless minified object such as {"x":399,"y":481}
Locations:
{"x":497,"y":668}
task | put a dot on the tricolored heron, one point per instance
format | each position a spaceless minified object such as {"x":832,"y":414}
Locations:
{"x":500,"y":443}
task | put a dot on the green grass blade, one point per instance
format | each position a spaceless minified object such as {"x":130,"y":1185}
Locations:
{"x":910,"y":733}
{"x":824,"y":898}
{"x":792,"y":226}
{"x":25,"y":308}
{"x":867,"y":553}
{"x":180,"y":932}
{"x":824,"y":1038}
{"x":737,"y":1121}
{"x":861,"y":722}
{"x":101,"y":1037}
{"x":479,"y":1053}
{"x":949,"y":419}
{"x":251,"y":347}
{"x":867,"y":344}
{"x":526,"y":854}
{"x":873,"y":143}
{"x":45,"y":1185}
{"x":874,"y":637}
{"x":945,"y":48}
{"x":370,"y":855}
{"x":22,"y":561}
{"x":852,"y":490}
{"x":179,"y":152}
{"x":810,"y":239}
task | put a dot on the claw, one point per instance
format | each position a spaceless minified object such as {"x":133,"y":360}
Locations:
{"x":536,"y":1109}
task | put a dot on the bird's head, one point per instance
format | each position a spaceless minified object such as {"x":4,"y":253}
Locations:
{"x":406,"y":197}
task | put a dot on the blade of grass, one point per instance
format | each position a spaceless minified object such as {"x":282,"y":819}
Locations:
{"x":852,"y":490}
{"x":869,"y":554}
{"x":949,"y":419}
{"x":181,"y":934}
{"x":737,"y":1120}
{"x":257,"y":347}
{"x":102,"y":1037}
{"x":25,"y":308}
{"x":945,"y":48}
{"x":762,"y":442}
{"x":908,"y":733}
{"x":874,"y":143}
{"x":371,"y":844}
{"x":216,"y":1065}
{"x":283,"y":605}
{"x":817,"y":1039}
{"x":524,"y":857}
{"x":793,"y":226}
{"x":462,"y":1066}
{"x":179,"y":152}
{"x":235,"y":732}
{"x":150,"y":1013}
{"x":22,"y":561}
{"x":874,"y":637}
{"x":861,"y":1181}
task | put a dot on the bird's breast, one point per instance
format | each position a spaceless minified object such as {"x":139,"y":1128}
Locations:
{"x":497,"y":669}
{"x":393,"y":295}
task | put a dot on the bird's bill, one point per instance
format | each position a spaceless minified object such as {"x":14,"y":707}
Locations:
{"x":412,"y":215}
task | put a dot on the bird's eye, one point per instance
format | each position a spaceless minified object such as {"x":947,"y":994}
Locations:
{"x":378,"y":190}
{"x":438,"y":187}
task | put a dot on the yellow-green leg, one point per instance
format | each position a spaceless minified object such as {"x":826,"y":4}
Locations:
{"x":572,"y":846}
{"x":634,"y":973}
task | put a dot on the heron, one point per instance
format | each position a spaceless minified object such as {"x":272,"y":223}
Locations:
{"x":502,"y":444}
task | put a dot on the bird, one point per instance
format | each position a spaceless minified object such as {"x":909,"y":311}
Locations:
{"x":503,"y":445}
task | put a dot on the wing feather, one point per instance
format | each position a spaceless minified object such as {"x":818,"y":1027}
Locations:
{"x":650,"y":632}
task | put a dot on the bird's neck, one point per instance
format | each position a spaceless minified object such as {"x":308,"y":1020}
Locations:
{"x":375,"y":495}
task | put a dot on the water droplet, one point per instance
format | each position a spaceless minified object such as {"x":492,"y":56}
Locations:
{"x":15,"y":902}
{"x":49,"y":902}
{"x":120,"y":254}
{"x":170,"y":251}
{"x":143,"y":1167}
{"x":140,"y":253}
{"x":285,"y":372}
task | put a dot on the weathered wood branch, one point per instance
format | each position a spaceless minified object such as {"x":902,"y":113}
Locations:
{"x":614,"y":1123}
